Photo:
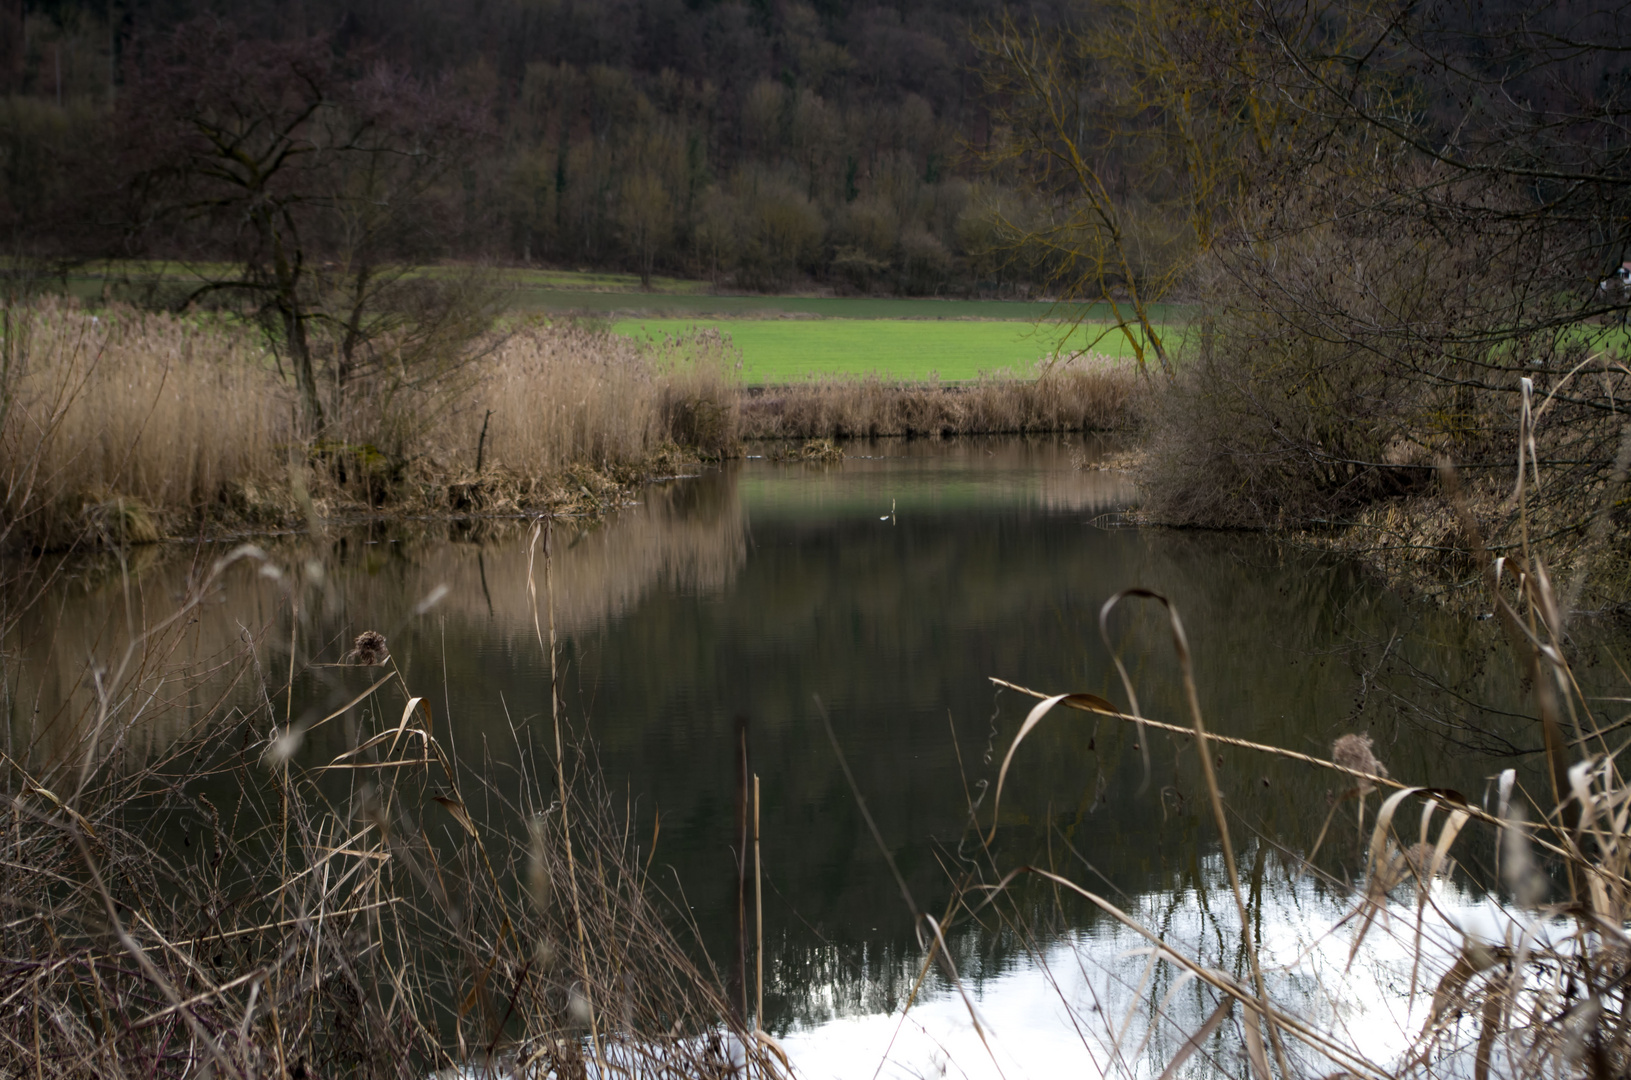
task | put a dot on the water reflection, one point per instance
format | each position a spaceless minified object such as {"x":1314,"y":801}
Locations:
{"x":687,"y":537}
{"x":890,"y":587}
{"x":1099,"y":1001}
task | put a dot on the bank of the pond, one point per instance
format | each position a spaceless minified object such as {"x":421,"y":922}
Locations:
{"x":1091,"y":395}
{"x":123,"y":426}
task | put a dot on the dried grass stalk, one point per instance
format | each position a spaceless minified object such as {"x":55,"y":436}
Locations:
{"x":359,"y":916}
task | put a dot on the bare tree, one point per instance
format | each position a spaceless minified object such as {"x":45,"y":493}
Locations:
{"x":1141,"y":131}
{"x":303,"y":189}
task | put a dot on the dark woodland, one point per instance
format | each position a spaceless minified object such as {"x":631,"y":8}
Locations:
{"x":760,"y":145}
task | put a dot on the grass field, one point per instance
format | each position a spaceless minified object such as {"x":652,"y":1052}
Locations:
{"x":782,"y":338}
{"x":790,"y":338}
{"x":672,"y":305}
{"x":788,"y":350}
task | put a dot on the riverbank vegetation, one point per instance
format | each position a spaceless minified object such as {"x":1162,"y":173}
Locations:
{"x":341,"y":876}
{"x":1493,"y":923}
{"x":1079,"y":394}
{"x":125,"y":426}
{"x":1374,"y":253}
{"x":278,"y":893}
{"x":1399,"y":229}
{"x":1404,"y":232}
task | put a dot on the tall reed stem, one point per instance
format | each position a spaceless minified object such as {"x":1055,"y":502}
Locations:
{"x":560,"y":780}
{"x":758,"y":911}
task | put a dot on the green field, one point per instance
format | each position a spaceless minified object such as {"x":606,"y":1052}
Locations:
{"x":781,"y":338}
{"x":789,"y":338}
{"x":788,"y":350}
{"x":674,"y":305}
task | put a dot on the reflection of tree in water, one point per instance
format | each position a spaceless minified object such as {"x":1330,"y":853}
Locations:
{"x":686,"y":536}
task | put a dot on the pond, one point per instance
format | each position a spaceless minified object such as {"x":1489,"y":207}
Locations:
{"x":886,"y":592}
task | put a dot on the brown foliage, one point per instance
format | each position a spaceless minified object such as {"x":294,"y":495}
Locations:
{"x":1099,"y":398}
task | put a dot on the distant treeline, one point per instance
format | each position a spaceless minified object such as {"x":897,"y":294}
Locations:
{"x":759,"y":144}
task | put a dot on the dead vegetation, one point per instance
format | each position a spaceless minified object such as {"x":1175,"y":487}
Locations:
{"x":242,"y":905}
{"x":122,"y":427}
{"x":1534,"y":983}
{"x":1290,"y":434}
{"x":1099,"y":398}
{"x":813,"y":452}
{"x":1536,"y":986}
{"x":125,"y":427}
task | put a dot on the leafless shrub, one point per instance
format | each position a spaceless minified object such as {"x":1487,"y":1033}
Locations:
{"x":1359,"y":341}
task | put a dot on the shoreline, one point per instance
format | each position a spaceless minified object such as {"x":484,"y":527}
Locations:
{"x":558,"y":420}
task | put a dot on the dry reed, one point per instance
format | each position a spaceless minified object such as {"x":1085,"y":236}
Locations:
{"x":116,"y":417}
{"x":1076,"y":396}
{"x":239,"y":905}
{"x":1539,"y":986}
{"x":121,"y":427}
{"x":565,"y":395}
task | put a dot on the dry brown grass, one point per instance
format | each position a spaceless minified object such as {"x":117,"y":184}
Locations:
{"x":118,"y":417}
{"x":566,"y":395}
{"x":1532,"y":983}
{"x":122,"y":427}
{"x":235,"y":906}
{"x":1077,"y":396}
{"x":125,"y":427}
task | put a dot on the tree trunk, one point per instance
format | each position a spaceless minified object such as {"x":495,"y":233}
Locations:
{"x":294,"y":333}
{"x":353,"y":330}
{"x":13,"y":48}
{"x":286,"y":282}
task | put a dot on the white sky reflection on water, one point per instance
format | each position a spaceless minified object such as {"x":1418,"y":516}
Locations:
{"x":1056,"y":1017}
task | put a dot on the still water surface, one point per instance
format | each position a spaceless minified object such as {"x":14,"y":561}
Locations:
{"x":889,"y":589}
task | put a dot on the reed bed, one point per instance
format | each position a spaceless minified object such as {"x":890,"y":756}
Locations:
{"x":1081,"y":394}
{"x":335,"y":893}
{"x":110,"y":421}
{"x":123,"y":426}
{"x":568,"y":394}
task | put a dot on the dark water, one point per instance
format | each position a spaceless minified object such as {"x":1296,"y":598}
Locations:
{"x":890,"y":588}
